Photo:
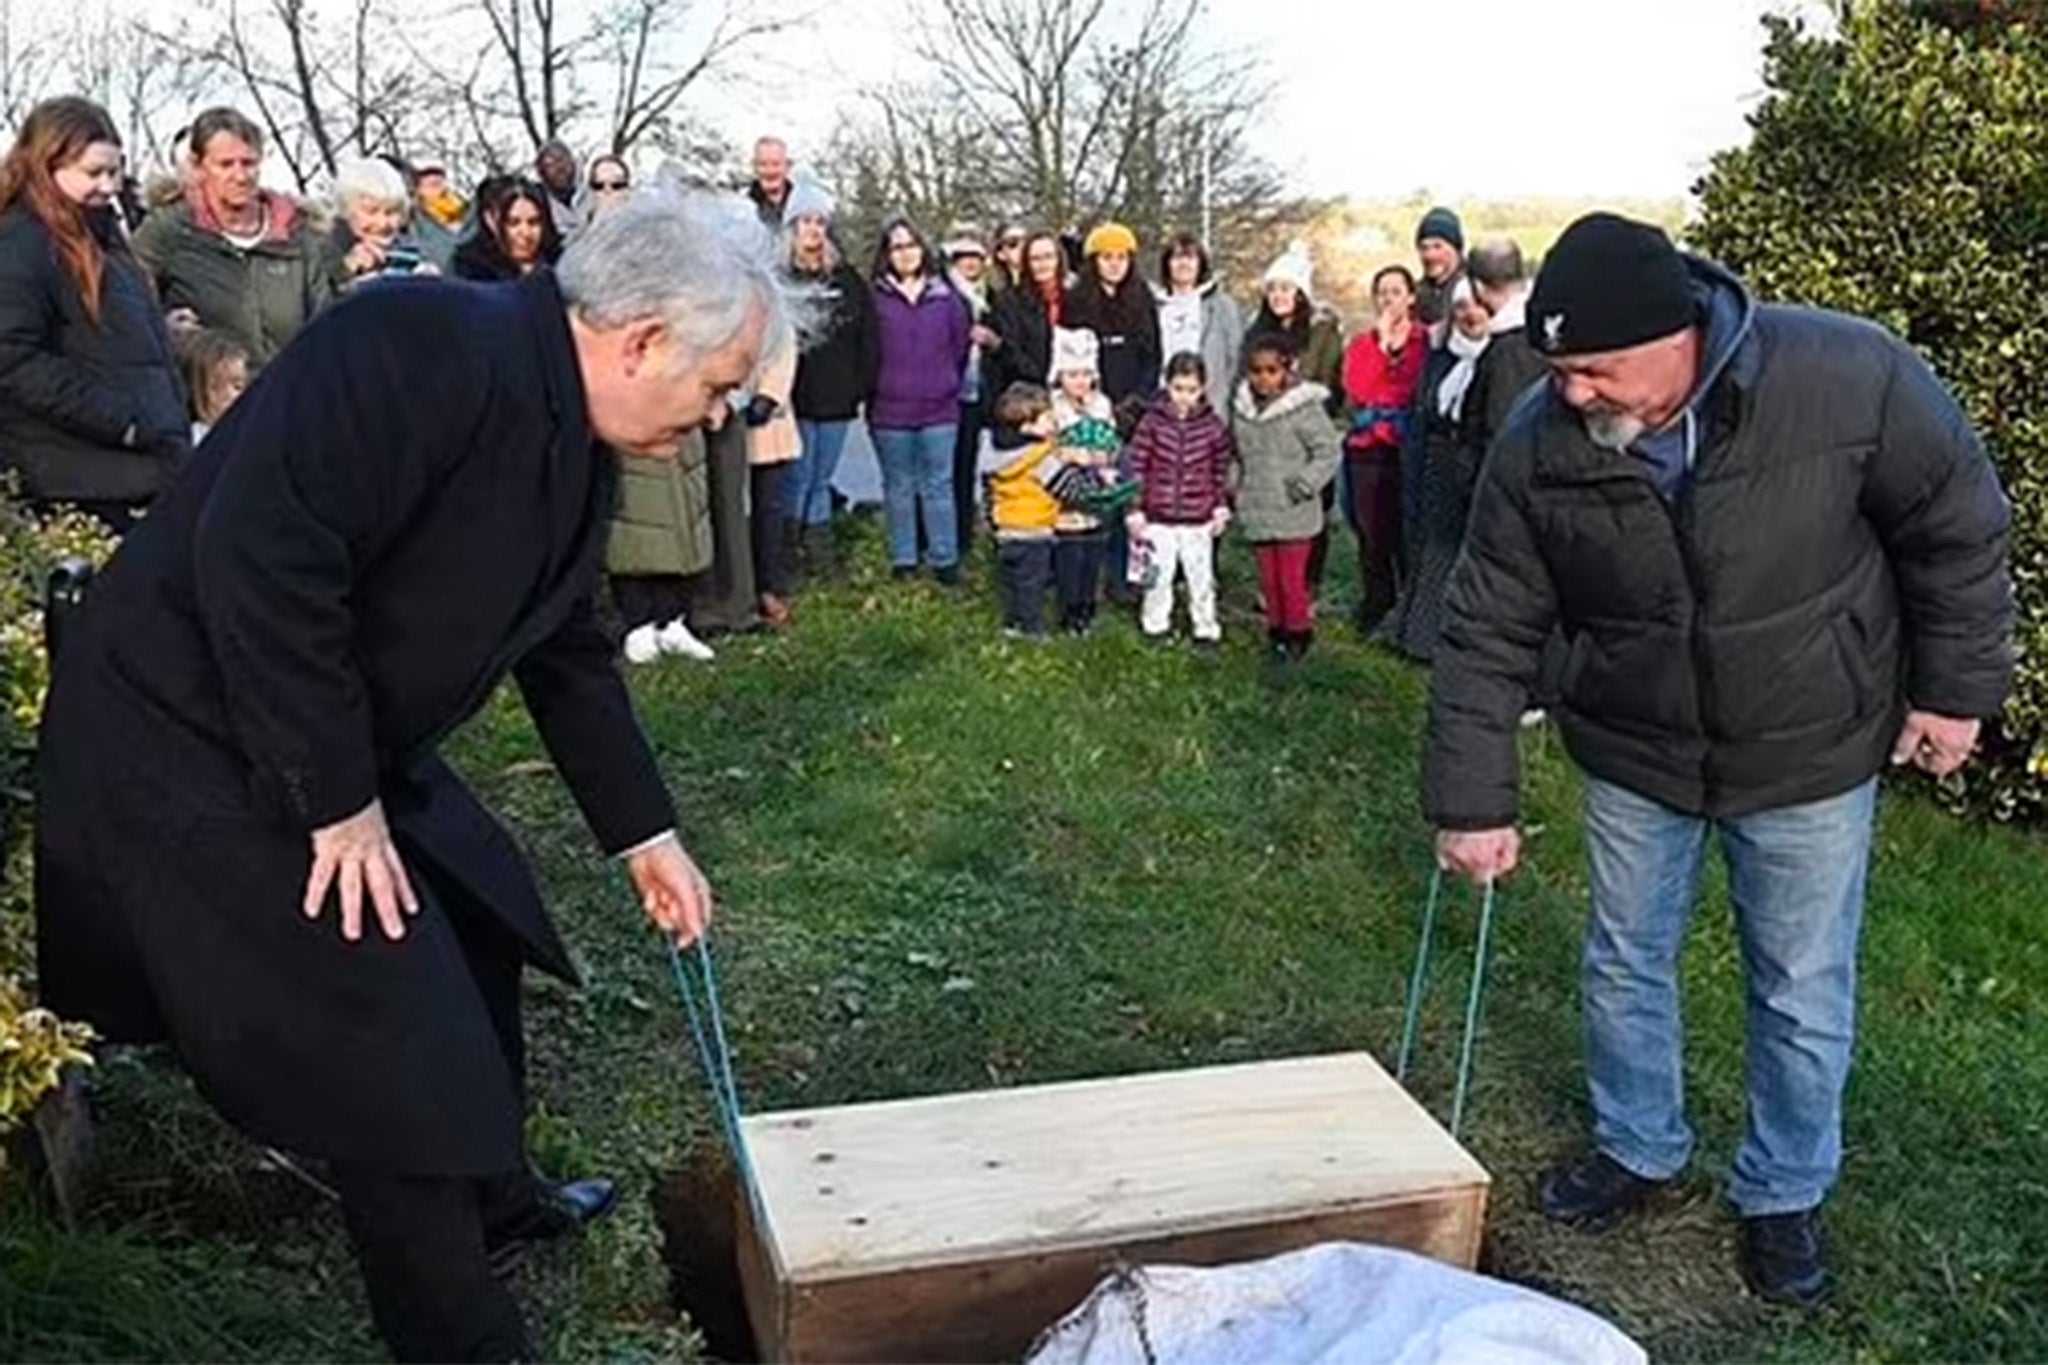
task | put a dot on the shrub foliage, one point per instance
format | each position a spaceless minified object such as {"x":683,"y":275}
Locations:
{"x":1899,"y":170}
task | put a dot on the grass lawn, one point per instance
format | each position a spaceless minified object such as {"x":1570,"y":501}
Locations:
{"x":946,"y":861}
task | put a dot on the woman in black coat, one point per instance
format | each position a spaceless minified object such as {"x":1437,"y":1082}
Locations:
{"x":1111,"y":301}
{"x":92,"y":412}
{"x":515,"y":233}
{"x":1026,"y":314}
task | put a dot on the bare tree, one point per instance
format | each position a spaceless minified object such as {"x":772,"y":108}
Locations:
{"x":1069,"y":111}
{"x":28,"y":59}
{"x":638,"y":37}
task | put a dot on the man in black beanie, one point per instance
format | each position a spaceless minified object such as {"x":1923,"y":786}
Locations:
{"x":1440,"y":251}
{"x":1777,"y":554}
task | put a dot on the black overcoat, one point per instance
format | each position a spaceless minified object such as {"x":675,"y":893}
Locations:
{"x":407,"y":505}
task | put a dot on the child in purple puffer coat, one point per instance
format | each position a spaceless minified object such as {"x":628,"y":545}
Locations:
{"x":1180,"y":455}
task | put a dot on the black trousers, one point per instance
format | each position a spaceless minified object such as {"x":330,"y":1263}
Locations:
{"x":421,"y":1239}
{"x":648,"y":599}
{"x":1024,"y":570}
{"x":765,"y":515}
{"x":966,"y":459}
{"x":1077,"y":564}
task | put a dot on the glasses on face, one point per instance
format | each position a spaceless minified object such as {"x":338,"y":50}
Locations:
{"x":903,"y":246}
{"x":1013,"y":244}
{"x":609,"y":186}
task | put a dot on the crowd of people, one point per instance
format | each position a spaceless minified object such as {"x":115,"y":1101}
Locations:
{"x":131,"y":317}
{"x":1754,"y":551}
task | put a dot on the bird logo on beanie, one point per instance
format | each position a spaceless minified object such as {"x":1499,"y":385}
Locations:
{"x":1553,"y":331}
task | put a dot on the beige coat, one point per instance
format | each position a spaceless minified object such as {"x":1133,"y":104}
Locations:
{"x":777,"y":442}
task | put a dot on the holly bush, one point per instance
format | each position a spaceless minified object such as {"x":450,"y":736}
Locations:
{"x":1898,"y":169}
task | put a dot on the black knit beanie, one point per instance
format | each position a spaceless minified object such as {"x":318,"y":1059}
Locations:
{"x":1442,"y":224}
{"x":1610,"y":283}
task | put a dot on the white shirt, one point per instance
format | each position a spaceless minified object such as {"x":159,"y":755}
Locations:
{"x":1180,"y":324}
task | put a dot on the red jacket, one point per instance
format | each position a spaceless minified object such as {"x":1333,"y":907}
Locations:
{"x":1379,"y":389}
{"x":1183,"y":463}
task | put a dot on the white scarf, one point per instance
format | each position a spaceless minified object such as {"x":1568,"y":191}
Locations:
{"x":1514,"y":313}
{"x":1450,"y":395}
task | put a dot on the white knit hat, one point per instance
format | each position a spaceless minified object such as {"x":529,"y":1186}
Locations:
{"x":1073,"y":349}
{"x":806,"y":197}
{"x":1294,"y":267}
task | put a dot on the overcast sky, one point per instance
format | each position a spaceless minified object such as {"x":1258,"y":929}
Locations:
{"x":1479,"y":98}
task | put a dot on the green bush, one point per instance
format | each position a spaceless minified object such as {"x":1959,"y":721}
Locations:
{"x":35,"y":1045}
{"x":1899,"y":170}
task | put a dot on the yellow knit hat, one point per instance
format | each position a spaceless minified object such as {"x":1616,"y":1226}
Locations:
{"x":1110,"y":237}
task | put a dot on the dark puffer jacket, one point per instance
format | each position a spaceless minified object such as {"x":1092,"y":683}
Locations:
{"x":836,"y":372}
{"x":70,"y":389}
{"x":1182,"y":462}
{"x":1837,"y":553}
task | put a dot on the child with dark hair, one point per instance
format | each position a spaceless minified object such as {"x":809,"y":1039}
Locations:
{"x":1180,"y":458}
{"x":1023,"y":508}
{"x":1287,"y":453}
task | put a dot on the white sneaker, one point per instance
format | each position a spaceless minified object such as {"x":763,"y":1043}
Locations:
{"x":1534,"y":717}
{"x":675,"y":638}
{"x":643,"y":645}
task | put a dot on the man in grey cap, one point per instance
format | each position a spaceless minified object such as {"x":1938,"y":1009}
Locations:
{"x":1777,"y":555}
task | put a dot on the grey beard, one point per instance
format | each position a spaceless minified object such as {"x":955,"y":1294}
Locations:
{"x":1612,"y":430}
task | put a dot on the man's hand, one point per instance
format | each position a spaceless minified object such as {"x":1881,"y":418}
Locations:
{"x":1936,"y":744}
{"x":672,"y":890}
{"x":357,"y":855}
{"x":1479,"y":855}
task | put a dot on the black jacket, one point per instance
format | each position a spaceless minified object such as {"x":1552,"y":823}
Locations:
{"x":835,"y":374}
{"x":1838,"y":553}
{"x":70,"y":389}
{"x":1502,"y":374}
{"x":1127,"y":326}
{"x":1025,"y":357}
{"x":405,"y":507}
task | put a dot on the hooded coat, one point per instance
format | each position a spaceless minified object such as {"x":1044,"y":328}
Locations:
{"x":1749,"y":602}
{"x":260,"y":296}
{"x":407,"y":506}
{"x":1287,"y":453}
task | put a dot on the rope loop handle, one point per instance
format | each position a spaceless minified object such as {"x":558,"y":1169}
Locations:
{"x":1418,"y":980}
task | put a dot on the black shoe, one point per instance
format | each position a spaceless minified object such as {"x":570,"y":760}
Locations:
{"x":1784,"y":1260}
{"x":1206,"y":646}
{"x":903,"y":573}
{"x":1298,"y":643}
{"x":554,"y":1212}
{"x":1594,"y":1192}
{"x":949,"y":576}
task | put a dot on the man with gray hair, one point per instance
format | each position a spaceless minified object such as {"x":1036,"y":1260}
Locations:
{"x":247,"y":845}
{"x":769,"y":189}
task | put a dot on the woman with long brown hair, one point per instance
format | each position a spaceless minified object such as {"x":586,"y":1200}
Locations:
{"x":91,"y":410}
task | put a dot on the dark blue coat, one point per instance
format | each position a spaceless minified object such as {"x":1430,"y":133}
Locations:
{"x":71,"y":389}
{"x":406,"y":506}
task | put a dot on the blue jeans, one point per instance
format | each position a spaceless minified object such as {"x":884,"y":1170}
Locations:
{"x":917,"y":477}
{"x":807,"y":487}
{"x":1796,"y":876}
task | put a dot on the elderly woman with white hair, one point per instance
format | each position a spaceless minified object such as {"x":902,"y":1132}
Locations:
{"x":369,"y":241}
{"x":247,"y":844}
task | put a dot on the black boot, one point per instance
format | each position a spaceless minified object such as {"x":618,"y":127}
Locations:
{"x":1279,"y":646}
{"x":1594,"y":1192}
{"x":1784,"y":1260}
{"x":1298,"y":643}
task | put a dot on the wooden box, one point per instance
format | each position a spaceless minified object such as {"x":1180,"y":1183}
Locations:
{"x":957,"y":1228}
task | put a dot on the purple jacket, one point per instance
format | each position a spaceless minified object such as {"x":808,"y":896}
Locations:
{"x":923,"y":348}
{"x":1183,"y":463}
